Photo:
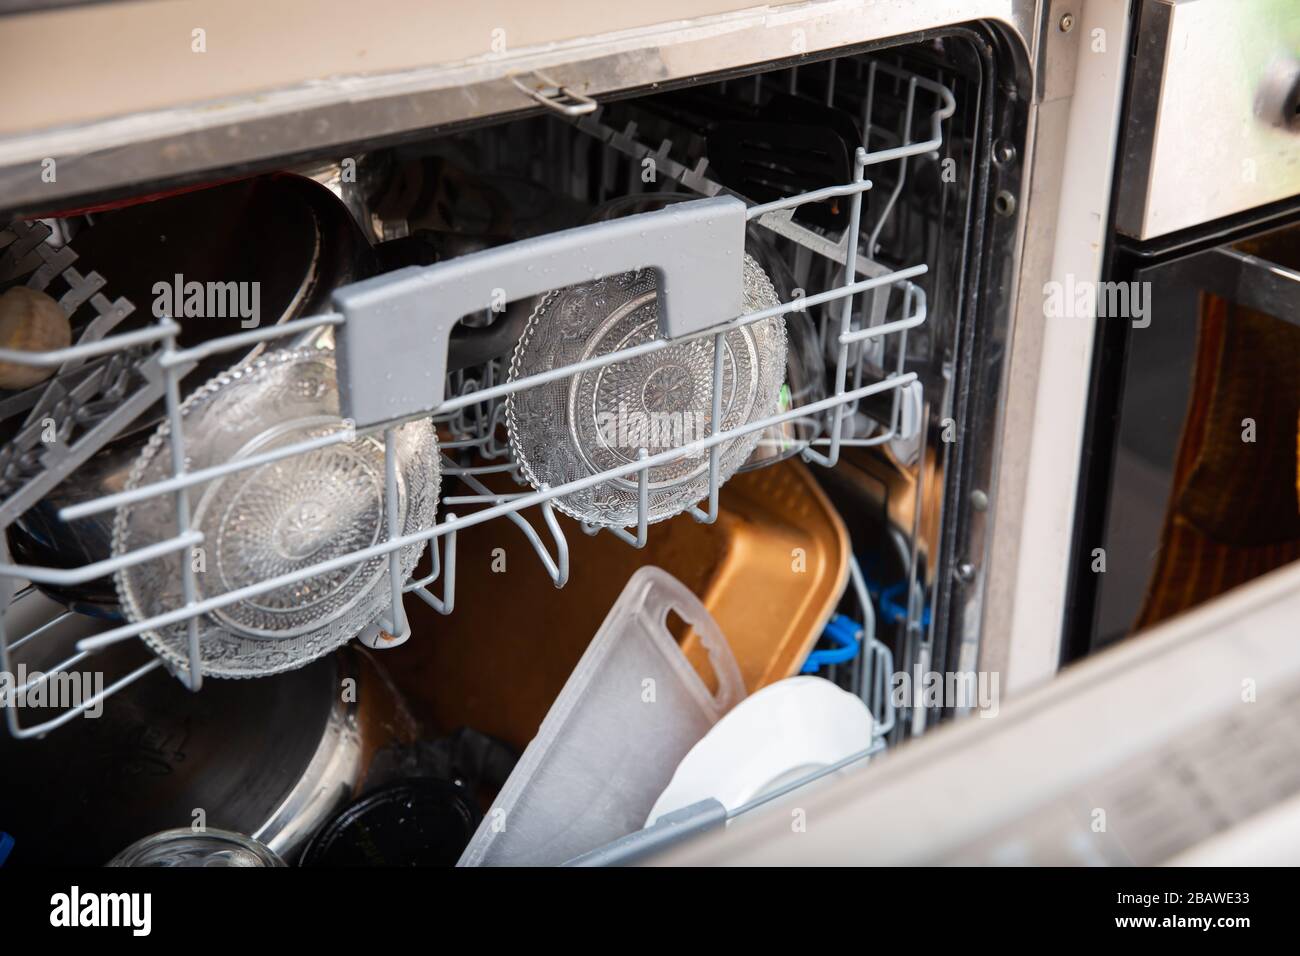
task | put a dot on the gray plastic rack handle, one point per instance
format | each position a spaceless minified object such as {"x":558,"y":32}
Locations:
{"x":392,"y":345}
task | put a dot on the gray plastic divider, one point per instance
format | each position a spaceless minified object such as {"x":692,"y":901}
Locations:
{"x":392,"y":348}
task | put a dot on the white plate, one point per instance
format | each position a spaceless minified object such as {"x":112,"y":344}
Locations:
{"x":776,"y":735}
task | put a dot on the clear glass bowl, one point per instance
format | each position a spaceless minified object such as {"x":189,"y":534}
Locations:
{"x":275,"y":519}
{"x":197,"y":848}
{"x":593,"y":421}
{"x":805,"y":377}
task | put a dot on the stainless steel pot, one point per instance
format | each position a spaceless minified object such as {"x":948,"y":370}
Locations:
{"x":288,"y":234}
{"x":271,"y":758}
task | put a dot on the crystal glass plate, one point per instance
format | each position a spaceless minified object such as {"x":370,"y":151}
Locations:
{"x":593,"y":421}
{"x":275,"y":519}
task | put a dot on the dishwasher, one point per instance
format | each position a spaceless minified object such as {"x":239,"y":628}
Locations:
{"x":393,"y":466}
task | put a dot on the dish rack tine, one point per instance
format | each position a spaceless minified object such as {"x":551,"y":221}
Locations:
{"x":486,"y":444}
{"x":882,"y":665}
{"x":914,"y":310}
{"x":494,"y":447}
{"x":639,"y":539}
{"x":460,"y":471}
{"x":16,"y":730}
{"x":710,"y":515}
{"x":447,"y":603}
{"x":905,"y":135}
{"x":88,"y":572}
{"x":37,"y":678}
{"x":396,"y":625}
{"x":193,"y":677}
{"x":33,"y":634}
{"x":846,"y":319}
{"x":558,"y":567}
{"x":90,"y":703}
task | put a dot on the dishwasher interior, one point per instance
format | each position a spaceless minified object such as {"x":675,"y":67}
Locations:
{"x":256,"y":573}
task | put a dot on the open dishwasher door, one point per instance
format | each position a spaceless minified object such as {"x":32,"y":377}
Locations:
{"x":1179,"y":747}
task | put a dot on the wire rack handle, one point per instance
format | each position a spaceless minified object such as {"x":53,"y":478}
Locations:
{"x":392,"y":348}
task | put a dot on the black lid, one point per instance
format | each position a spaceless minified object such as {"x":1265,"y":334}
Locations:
{"x":417,"y":822}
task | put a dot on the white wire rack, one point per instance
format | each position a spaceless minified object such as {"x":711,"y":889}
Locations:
{"x":467,"y":406}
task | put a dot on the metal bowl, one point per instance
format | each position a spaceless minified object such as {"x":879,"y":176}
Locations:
{"x":285,"y":233}
{"x":272,"y":758}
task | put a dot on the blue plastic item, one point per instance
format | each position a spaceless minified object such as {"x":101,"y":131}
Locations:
{"x":895,"y":612}
{"x":6,"y":844}
{"x":843,"y":632}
